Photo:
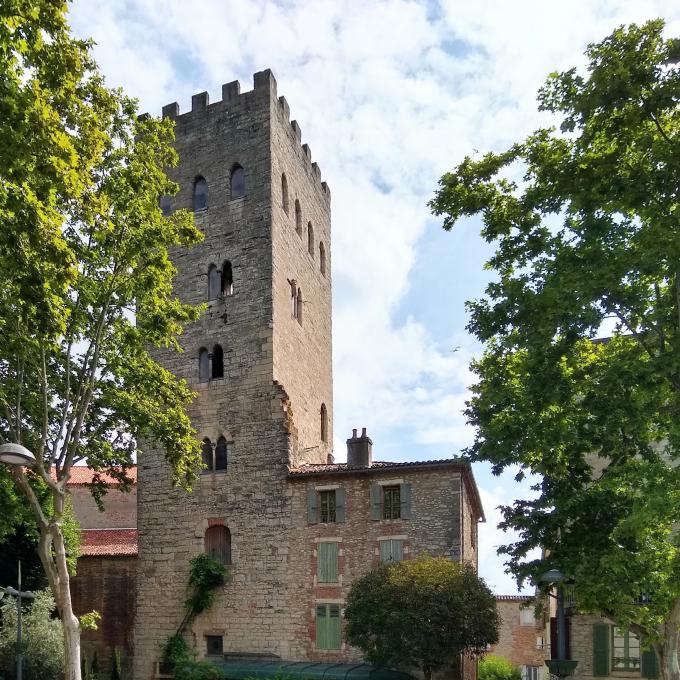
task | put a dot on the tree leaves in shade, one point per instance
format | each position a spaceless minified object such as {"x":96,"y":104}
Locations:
{"x":585,"y":221}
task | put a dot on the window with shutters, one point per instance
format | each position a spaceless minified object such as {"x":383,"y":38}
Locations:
{"x":391,"y":502}
{"x":327,"y":562}
{"x":530,"y":673}
{"x":328,"y":635}
{"x":325,"y":505}
{"x":391,"y":550}
{"x":625,"y":650}
{"x":218,"y":543}
{"x":214,"y":645}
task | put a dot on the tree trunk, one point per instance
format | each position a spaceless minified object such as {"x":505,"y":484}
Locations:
{"x":669,"y":664}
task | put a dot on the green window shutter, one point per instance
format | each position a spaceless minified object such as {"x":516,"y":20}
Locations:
{"x":601,"y":633}
{"x":405,"y":496}
{"x":385,"y":551}
{"x":649,"y":665}
{"x":312,"y":506}
{"x":397,"y":550}
{"x":327,"y":562}
{"x":376,"y":501}
{"x":334,"y":632}
{"x":321,"y":627}
{"x":340,"y":503}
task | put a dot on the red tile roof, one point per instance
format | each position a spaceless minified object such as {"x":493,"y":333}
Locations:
{"x":514,"y":598}
{"x":108,"y":542}
{"x":80,"y":474}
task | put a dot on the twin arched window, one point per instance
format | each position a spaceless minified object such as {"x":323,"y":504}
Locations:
{"x":200,"y":194}
{"x":310,"y":239}
{"x":284,"y":193}
{"x":322,"y":258}
{"x":214,"y":458}
{"x":220,"y":282}
{"x":324,"y":423}
{"x":238,"y":182}
{"x":218,"y":543}
{"x":210,"y":365}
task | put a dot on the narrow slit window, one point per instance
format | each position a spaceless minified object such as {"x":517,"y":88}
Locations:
{"x":200,"y":194}
{"x":298,"y":314}
{"x":227,"y":279}
{"x":203,"y":365}
{"x":217,"y":362}
{"x":322,"y":258}
{"x":238,"y":182}
{"x":310,"y":239}
{"x":324,"y":423}
{"x":293,"y":300}
{"x":221,"y":450}
{"x":213,"y":282}
{"x":284,"y":193}
{"x":298,"y":218}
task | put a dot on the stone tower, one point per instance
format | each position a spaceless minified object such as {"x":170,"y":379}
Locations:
{"x":259,"y":359}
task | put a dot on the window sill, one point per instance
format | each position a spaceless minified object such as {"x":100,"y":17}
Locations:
{"x":205,"y":473}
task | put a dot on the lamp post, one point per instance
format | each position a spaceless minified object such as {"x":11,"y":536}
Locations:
{"x":18,"y":456}
{"x":561,"y":667}
{"x":19,"y":594}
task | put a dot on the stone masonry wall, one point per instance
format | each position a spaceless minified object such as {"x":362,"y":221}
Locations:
{"x":302,"y":353}
{"x":433,"y":528}
{"x":517,"y":642}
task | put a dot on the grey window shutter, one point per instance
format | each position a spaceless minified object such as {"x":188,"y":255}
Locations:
{"x":397,"y":550}
{"x":405,"y":496}
{"x":340,"y":503}
{"x":649,"y":666}
{"x":312,"y":508}
{"x":376,"y":498}
{"x":385,"y":552}
{"x":601,"y":633}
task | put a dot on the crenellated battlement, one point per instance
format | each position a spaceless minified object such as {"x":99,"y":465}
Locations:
{"x":263,"y":93}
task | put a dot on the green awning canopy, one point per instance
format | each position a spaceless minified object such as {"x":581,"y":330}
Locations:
{"x":238,"y":669}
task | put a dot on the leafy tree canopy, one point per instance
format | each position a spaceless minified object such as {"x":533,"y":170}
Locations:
{"x":585,"y":225}
{"x":423,"y":612}
{"x":493,"y":667}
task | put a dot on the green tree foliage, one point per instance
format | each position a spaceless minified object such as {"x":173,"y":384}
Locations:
{"x":497,"y":668}
{"x":85,"y":279}
{"x":424,"y":612}
{"x":199,"y":670}
{"x":41,"y":635}
{"x":205,"y":576}
{"x":587,"y":241}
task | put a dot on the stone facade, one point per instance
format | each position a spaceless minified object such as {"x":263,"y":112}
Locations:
{"x":522,"y":638}
{"x":267,"y":403}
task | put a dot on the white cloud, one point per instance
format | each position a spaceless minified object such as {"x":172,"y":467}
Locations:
{"x":389,"y":94}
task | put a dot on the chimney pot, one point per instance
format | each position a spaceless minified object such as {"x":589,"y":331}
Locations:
{"x":359,"y":450}
{"x":354,"y":433}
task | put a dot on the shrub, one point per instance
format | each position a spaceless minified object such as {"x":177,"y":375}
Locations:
{"x":199,"y":670}
{"x":497,"y":668}
{"x":176,"y":651}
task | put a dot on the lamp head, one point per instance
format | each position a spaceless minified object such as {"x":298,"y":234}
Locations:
{"x":552,"y":576}
{"x":16,"y":454}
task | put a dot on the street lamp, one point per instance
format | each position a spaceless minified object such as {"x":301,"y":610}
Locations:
{"x":28,"y":595}
{"x":16,"y":454}
{"x":561,"y":667}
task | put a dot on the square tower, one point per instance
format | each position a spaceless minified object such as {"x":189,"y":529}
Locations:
{"x":259,"y":359}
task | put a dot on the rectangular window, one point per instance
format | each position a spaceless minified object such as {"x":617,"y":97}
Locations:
{"x":327,"y":562}
{"x":526,"y":617}
{"x":328,"y":626}
{"x":530,"y":672}
{"x":391,"y":550}
{"x":391,"y":502}
{"x":625,"y":650}
{"x":214,"y":644}
{"x":327,"y":506}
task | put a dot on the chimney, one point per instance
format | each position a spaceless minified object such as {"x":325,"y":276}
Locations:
{"x":359,"y":450}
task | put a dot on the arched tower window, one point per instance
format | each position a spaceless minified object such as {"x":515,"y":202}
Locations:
{"x":165,"y":204}
{"x":217,"y":362}
{"x":218,"y":543}
{"x":298,"y":218}
{"x":200,"y":194}
{"x":298,"y":307}
{"x":310,"y":239}
{"x":293,"y":299}
{"x":213,"y":282}
{"x":238,"y":182}
{"x":227,"y":283}
{"x":207,"y":454}
{"x":203,"y":365}
{"x":322,"y":258}
{"x":324,"y":423}
{"x":284,"y":193}
{"x":221,"y":454}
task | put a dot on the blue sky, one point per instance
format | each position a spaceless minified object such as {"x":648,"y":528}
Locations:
{"x":389,"y":95}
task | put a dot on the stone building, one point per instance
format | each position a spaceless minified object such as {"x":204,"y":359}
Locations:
{"x":294,"y":528}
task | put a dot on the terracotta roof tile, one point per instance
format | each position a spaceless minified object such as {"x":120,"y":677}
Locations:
{"x":514,"y":598}
{"x":80,"y":474}
{"x":323,"y":468}
{"x":108,"y":542}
